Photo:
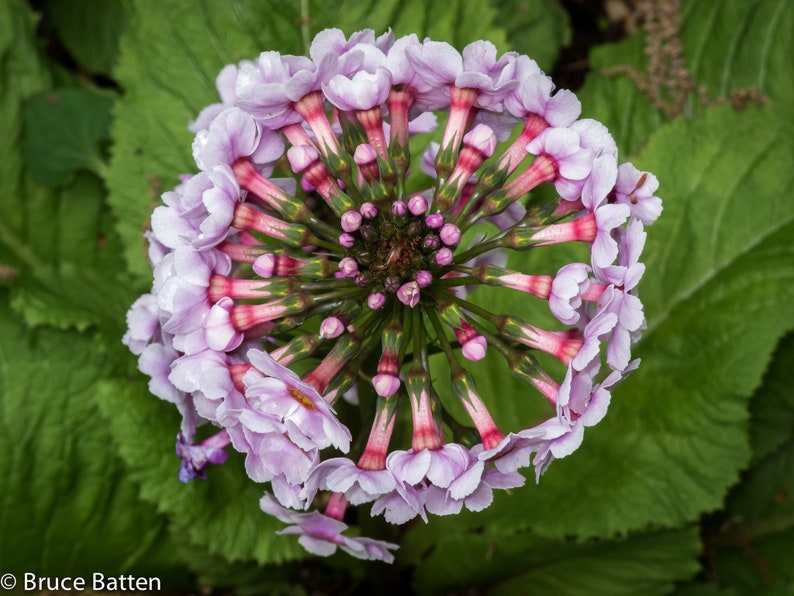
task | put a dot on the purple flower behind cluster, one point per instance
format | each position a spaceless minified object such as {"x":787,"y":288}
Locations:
{"x":305,"y":262}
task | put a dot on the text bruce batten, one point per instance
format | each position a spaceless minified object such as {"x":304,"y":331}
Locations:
{"x":98,"y":581}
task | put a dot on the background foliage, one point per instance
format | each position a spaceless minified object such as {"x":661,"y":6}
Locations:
{"x":687,"y":487}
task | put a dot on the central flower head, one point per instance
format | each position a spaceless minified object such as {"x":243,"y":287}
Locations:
{"x":312,"y":239}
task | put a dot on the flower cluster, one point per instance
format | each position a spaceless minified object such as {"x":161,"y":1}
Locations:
{"x":313,"y":258}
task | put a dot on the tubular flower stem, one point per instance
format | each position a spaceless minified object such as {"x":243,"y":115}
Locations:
{"x":299,"y":348}
{"x":559,"y":345}
{"x":387,"y":381}
{"x":374,"y":455}
{"x":275,"y":198}
{"x":344,"y":349}
{"x":537,"y":285}
{"x":463,"y":385}
{"x":306,"y":161}
{"x":312,"y":109}
{"x":426,"y":433}
{"x":306,"y":241}
{"x":464,"y":389}
{"x":517,"y":151}
{"x":221,"y":286}
{"x":245,"y":316}
{"x":249,"y":218}
{"x":542,"y":170}
{"x":372,"y":121}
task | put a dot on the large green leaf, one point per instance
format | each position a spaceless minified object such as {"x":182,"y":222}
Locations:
{"x":753,"y":540}
{"x":772,"y":407}
{"x":173,"y":51}
{"x":522,"y":563}
{"x":719,"y":293}
{"x":68,"y":505}
{"x":538,"y":29}
{"x":220,"y":514}
{"x":728,"y":47}
{"x":90,"y":30}
{"x":65,"y":131}
{"x":57,"y":243}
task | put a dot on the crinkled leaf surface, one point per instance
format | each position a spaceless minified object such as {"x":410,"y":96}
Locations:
{"x":65,"y":131}
{"x":68,"y":506}
{"x":90,"y":30}
{"x":190,"y":43}
{"x":57,"y":243}
{"x":772,"y":408}
{"x":752,"y":542}
{"x":522,"y":563}
{"x":718,"y":295}
{"x":727,"y":47}
{"x":221,"y":513}
{"x":538,"y":29}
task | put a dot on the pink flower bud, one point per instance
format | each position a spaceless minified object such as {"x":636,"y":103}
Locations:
{"x":434,"y":221}
{"x":450,"y":234}
{"x":301,"y":157}
{"x":346,"y":240}
{"x":351,"y":221}
{"x":331,"y":327}
{"x":481,"y":138}
{"x":376,"y":300}
{"x":385,"y":385}
{"x":408,"y":294}
{"x":365,"y":154}
{"x":443,"y":257}
{"x":265,"y":265}
{"x":417,"y":205}
{"x":424,"y":278}
{"x":348,"y":267}
{"x":368,"y":210}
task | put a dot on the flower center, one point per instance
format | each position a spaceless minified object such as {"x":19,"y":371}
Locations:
{"x":301,"y":398}
{"x":387,"y":250}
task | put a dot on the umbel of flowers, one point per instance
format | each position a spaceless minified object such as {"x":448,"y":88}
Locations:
{"x":313,"y":257}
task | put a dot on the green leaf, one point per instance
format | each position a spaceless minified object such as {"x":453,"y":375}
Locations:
{"x":752,"y":540}
{"x":80,"y":285}
{"x":21,"y":76}
{"x":730,"y":48}
{"x":189,"y":44}
{"x":65,"y":131}
{"x":457,"y":22}
{"x":718,"y":294}
{"x":220,"y":514}
{"x":68,"y":506}
{"x":772,"y":407}
{"x":90,"y":30}
{"x":537,"y":29}
{"x":522,"y":563}
{"x":57,"y":245}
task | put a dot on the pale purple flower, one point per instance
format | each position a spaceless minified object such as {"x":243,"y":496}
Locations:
{"x":605,"y":248}
{"x":196,"y":458}
{"x":342,"y":475}
{"x":143,"y":323}
{"x":567,"y":288}
{"x":322,"y":535}
{"x":234,"y":134}
{"x":636,"y":189}
{"x":534,"y":95}
{"x":309,"y":420}
{"x":572,"y":162}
